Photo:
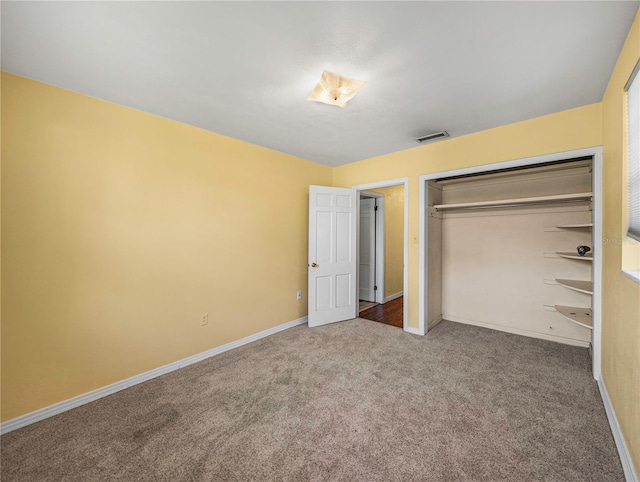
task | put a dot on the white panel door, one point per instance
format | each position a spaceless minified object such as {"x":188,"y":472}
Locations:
{"x":367,"y":254}
{"x":332,"y":255}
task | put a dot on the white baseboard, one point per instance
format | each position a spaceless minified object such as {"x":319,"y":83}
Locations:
{"x":412,"y":330}
{"x":625,"y":457}
{"x":433,"y":323}
{"x":416,"y":331}
{"x":516,"y":331}
{"x":519,"y":331}
{"x":85,"y":398}
{"x":393,"y":297}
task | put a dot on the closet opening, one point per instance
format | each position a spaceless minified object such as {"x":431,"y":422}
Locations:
{"x":512,"y":247}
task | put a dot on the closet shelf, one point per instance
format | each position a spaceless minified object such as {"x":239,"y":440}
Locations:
{"x":572,"y":255}
{"x":558,"y":198}
{"x":577,"y":285}
{"x":572,"y":226}
{"x":581,"y":316}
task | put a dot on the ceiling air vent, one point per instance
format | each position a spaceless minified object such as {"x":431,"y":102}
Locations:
{"x":432,"y":137}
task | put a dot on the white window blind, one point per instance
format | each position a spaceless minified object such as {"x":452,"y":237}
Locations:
{"x":633,"y":126}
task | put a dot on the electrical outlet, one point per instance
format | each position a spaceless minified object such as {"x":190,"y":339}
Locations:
{"x":299,"y":295}
{"x":204,"y":319}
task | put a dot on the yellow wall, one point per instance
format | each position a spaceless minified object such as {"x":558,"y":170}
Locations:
{"x":568,"y":130}
{"x":120,"y":228}
{"x":393,"y":238}
{"x":621,"y":296}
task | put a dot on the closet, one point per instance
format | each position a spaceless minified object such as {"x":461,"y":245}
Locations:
{"x":503,"y":250}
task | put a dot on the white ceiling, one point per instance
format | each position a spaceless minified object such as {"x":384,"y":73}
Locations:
{"x":245,"y":69}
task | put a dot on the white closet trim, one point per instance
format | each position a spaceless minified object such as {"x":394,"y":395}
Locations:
{"x":596,"y":154}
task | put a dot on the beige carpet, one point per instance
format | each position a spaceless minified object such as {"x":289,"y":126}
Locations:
{"x":356,"y":401}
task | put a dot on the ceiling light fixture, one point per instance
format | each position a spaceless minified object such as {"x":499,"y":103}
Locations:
{"x":334,"y":89}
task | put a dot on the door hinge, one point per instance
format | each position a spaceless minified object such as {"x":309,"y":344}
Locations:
{"x":375,"y":288}
{"x":376,"y":208}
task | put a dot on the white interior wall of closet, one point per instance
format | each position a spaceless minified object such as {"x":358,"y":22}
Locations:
{"x":498,"y":266}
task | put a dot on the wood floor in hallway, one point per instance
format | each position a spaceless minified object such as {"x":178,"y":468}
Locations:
{"x":389,"y":313}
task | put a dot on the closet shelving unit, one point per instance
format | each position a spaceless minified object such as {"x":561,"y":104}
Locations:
{"x":557,"y":198}
{"x":581,"y":316}
{"x":577,"y":285}
{"x":499,"y":250}
{"x":570,"y":255}
{"x":575,"y":226}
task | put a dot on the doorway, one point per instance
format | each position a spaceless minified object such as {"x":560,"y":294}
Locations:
{"x":382,"y":252}
{"x":371,"y":249}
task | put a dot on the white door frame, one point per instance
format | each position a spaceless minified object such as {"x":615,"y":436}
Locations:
{"x":379,"y":297}
{"x":596,"y":153}
{"x":405,"y":278}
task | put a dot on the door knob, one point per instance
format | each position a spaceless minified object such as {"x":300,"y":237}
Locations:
{"x":314,"y":265}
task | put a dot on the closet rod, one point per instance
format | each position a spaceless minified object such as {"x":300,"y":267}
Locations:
{"x":557,"y":198}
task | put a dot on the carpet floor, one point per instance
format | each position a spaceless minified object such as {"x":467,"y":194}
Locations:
{"x":357,"y":401}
